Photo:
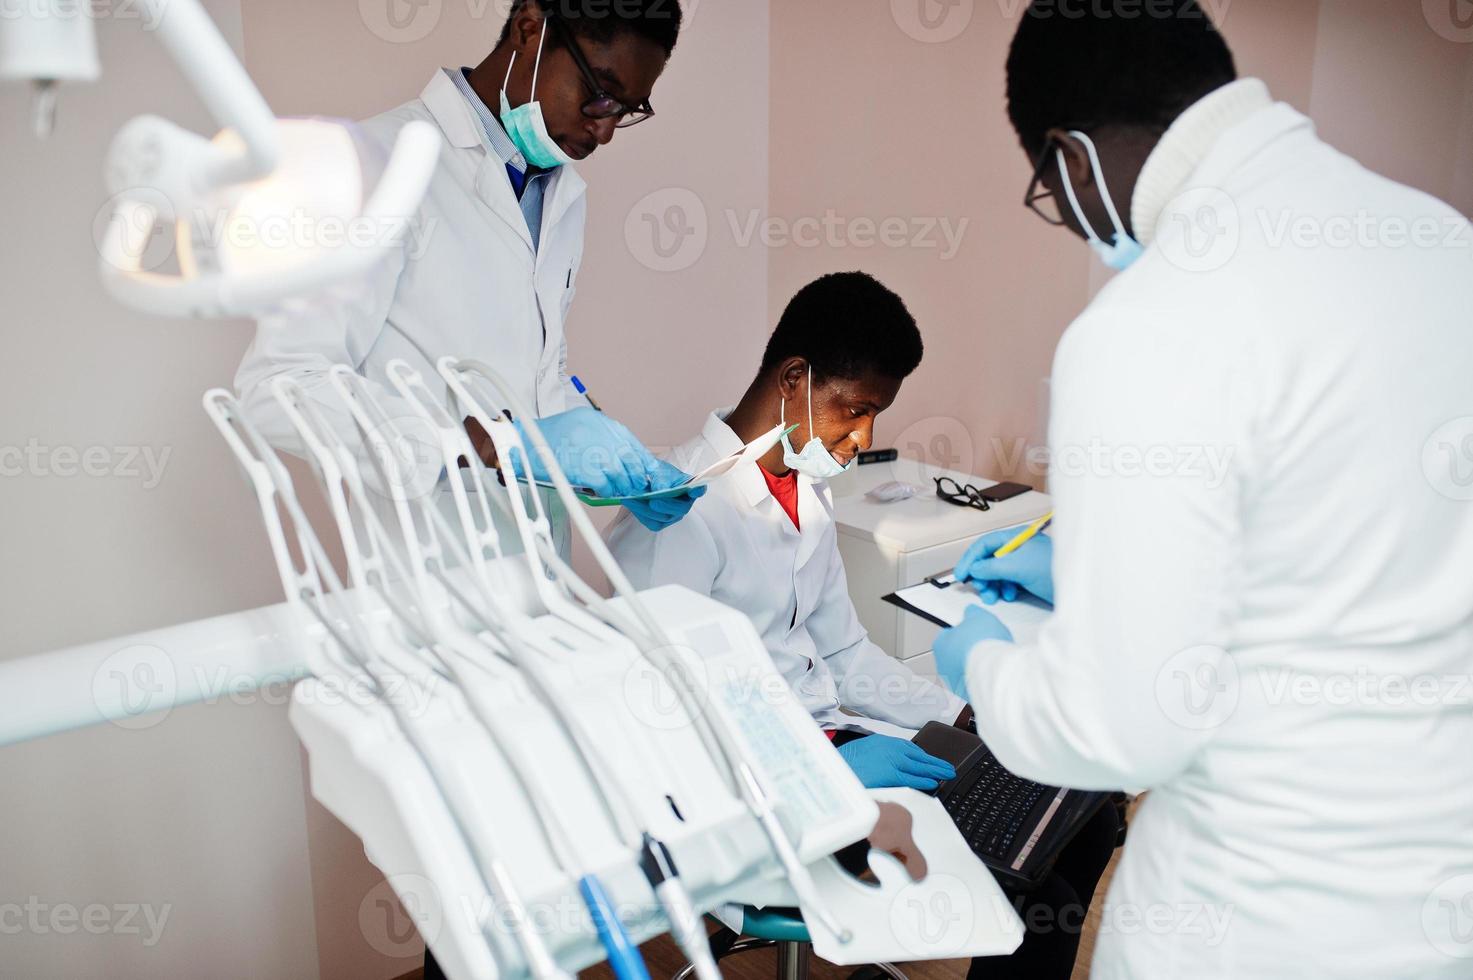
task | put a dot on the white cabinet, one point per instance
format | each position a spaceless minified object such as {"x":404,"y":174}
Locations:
{"x":887,"y":546}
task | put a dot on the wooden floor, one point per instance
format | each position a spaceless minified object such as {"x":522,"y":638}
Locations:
{"x":664,"y":959}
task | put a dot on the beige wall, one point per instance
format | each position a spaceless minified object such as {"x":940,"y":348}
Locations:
{"x":814,"y":107}
{"x":1396,"y":95}
{"x":888,"y":126}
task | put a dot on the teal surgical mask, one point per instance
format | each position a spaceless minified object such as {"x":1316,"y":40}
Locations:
{"x":1124,"y":250}
{"x":525,"y":125}
{"x":815,"y":461}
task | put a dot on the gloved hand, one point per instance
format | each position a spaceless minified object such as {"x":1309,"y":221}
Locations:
{"x":1030,"y":567}
{"x":882,"y":760}
{"x":661,"y":512}
{"x":596,"y":452}
{"x":953,"y":647}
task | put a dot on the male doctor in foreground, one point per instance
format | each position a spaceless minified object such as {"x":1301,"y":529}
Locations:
{"x":1278,"y":652}
{"x":491,"y":269}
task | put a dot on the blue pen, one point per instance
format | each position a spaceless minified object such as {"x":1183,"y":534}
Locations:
{"x":624,"y":957}
{"x":584,"y":392}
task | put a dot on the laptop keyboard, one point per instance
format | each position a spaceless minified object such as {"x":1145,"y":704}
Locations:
{"x":989,"y":805}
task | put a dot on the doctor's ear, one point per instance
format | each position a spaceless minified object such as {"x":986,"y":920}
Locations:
{"x":1076,"y":158}
{"x":792,"y":378}
{"x":526,"y":29}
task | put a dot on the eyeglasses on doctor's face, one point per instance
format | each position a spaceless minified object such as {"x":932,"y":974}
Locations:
{"x":602,"y":105}
{"x":960,"y":494}
{"x":1039,"y":199}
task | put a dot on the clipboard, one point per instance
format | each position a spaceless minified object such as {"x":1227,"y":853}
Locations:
{"x":944,"y":607}
{"x":895,"y":600}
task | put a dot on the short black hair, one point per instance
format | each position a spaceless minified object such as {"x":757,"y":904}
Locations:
{"x":600,"y":20}
{"x":847,"y":325}
{"x":1081,"y":65}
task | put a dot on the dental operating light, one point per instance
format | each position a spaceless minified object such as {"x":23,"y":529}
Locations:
{"x":266,"y":212}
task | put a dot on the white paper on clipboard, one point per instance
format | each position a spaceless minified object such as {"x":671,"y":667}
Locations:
{"x":945,"y":601}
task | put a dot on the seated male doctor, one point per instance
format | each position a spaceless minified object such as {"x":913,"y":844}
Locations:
{"x":762,"y":541}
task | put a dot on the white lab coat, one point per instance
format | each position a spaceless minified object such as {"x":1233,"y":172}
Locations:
{"x":1294,"y":827}
{"x":739,"y":547}
{"x":466,"y":282}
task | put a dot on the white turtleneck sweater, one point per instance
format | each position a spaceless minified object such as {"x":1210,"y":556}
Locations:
{"x":1262,"y":544}
{"x":1185,"y":145}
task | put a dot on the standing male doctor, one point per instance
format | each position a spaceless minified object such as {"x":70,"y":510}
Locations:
{"x":501,"y":233}
{"x":1279,"y":650}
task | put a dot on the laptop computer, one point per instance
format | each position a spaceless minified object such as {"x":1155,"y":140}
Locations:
{"x":1016,"y":826}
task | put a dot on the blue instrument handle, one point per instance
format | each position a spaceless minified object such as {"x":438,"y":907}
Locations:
{"x":623,"y":955}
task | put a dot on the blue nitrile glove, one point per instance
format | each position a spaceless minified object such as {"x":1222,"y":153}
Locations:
{"x":953,"y":647}
{"x":883,"y":760}
{"x":594,"y":451}
{"x":661,"y":512}
{"x":1030,"y":567}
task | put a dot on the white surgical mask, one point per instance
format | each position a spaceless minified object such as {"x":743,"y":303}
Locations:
{"x":1120,"y":254}
{"x":815,"y":461}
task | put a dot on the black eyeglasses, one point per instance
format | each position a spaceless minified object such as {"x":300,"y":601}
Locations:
{"x":602,"y":105}
{"x":1039,"y":199}
{"x":961,"y":494}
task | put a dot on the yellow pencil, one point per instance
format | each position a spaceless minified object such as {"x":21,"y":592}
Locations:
{"x":1024,"y":536}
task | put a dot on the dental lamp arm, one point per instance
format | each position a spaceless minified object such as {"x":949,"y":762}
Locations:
{"x":210,"y":66}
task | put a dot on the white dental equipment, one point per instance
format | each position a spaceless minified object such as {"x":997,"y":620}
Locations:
{"x":274,"y":493}
{"x":646,"y":632}
{"x":525,"y":646}
{"x":526,"y":772}
{"x":423,"y":530}
{"x":269,"y":211}
{"x":339,"y":470}
{"x":537,"y":541}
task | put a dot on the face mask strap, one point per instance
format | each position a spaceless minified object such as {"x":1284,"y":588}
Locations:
{"x":1074,"y":200}
{"x":536,"y":65}
{"x":1094,"y":162}
{"x":810,"y":403}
